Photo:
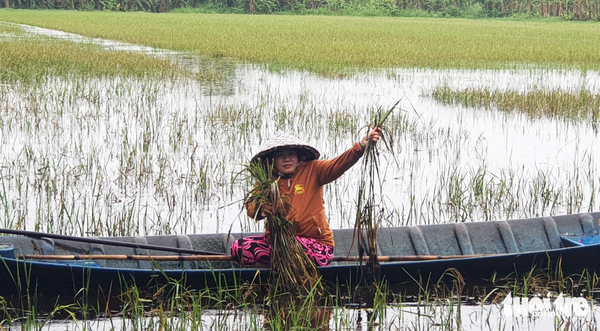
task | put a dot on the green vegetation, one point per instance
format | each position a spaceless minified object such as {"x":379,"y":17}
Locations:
{"x":537,"y":103}
{"x":567,"y":10}
{"x":28,"y":58}
{"x":294,"y":280}
{"x":369,"y":207}
{"x":422,"y":304}
{"x":340,"y":44}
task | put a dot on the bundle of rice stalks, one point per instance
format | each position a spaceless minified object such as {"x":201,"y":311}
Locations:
{"x":291,"y":269}
{"x":369,"y":213}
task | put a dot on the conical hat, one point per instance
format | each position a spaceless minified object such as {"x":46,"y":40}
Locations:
{"x":282,"y":140}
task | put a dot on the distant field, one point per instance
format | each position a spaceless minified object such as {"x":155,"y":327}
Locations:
{"x":26,"y":58}
{"x":326,"y":43}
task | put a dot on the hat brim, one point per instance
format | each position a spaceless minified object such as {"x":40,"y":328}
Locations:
{"x":312,"y":153}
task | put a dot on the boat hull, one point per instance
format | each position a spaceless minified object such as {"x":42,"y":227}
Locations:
{"x":20,"y":278}
{"x":487,"y":252}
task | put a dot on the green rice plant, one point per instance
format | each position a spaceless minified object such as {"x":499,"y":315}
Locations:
{"x":30,"y":59}
{"x":369,"y":212}
{"x":339,"y":46}
{"x":577,"y":105}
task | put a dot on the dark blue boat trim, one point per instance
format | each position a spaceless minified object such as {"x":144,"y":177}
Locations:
{"x":68,"y":278}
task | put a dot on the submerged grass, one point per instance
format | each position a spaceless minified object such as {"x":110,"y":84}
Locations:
{"x":337,"y":45}
{"x":579,"y":105}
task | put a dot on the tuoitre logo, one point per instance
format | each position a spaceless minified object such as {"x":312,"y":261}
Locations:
{"x":537,"y":306}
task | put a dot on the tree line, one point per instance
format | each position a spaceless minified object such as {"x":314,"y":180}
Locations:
{"x":580,"y":10}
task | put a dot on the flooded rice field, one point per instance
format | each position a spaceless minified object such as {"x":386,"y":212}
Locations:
{"x":135,"y":156}
{"x":122,"y":156}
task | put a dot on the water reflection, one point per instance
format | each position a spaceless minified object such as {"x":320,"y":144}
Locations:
{"x":432,"y":316}
{"x":315,"y":318}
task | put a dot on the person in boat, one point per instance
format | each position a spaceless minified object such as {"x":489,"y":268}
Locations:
{"x":301,"y":179}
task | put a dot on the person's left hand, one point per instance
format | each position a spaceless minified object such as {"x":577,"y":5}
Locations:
{"x":266,"y":210}
{"x":374,"y":136}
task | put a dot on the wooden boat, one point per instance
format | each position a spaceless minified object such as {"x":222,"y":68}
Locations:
{"x":477,"y":250}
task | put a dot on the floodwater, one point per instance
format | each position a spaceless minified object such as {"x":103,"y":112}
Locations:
{"x":406,"y":317}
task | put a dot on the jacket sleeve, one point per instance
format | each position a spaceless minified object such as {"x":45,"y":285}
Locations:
{"x":330,"y":170}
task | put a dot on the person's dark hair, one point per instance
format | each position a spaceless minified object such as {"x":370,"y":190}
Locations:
{"x":303,"y":154}
{"x":269,"y":159}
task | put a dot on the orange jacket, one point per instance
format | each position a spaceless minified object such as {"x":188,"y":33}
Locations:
{"x":305,"y":191}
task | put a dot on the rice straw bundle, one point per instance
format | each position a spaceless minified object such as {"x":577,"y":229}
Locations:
{"x":367,"y":214}
{"x":291,"y":269}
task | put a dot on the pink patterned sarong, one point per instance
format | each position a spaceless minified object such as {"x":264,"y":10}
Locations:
{"x":250,"y":250}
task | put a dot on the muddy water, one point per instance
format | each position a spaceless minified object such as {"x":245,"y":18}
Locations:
{"x":525,"y":167}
